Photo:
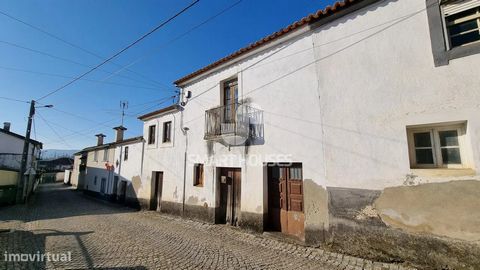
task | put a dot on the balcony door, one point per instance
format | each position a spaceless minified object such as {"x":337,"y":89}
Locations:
{"x":230,"y":100}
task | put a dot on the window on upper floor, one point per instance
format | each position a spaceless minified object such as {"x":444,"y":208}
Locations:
{"x":125,"y":154}
{"x":95,"y":155}
{"x":167,"y":132}
{"x":230,"y":100}
{"x":461,"y":22}
{"x":454,"y":29}
{"x":198,"y":175}
{"x":105,"y":155}
{"x":437,"y":146}
{"x":151,"y":134}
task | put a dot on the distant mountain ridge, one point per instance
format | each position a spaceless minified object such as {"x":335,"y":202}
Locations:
{"x":57,"y":153}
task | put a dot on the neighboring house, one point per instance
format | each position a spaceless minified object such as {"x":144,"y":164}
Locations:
{"x":110,"y":170}
{"x":11,"y":150}
{"x":357,"y":126}
{"x":163,"y":168}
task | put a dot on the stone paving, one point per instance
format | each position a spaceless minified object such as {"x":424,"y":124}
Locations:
{"x":101,"y":235}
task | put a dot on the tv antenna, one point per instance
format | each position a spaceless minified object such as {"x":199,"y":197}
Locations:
{"x":123,"y":106}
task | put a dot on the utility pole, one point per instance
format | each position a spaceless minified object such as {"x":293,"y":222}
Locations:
{"x":21,"y":185}
{"x":124,"y":106}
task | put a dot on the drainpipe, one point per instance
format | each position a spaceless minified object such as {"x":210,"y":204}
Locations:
{"x":184,"y":130}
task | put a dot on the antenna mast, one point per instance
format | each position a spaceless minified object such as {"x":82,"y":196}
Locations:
{"x":123,"y":106}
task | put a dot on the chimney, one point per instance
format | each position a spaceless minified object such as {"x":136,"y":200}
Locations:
{"x":119,"y":135}
{"x":100,"y":139}
{"x":6,"y":126}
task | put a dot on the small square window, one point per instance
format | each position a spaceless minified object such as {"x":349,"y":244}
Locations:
{"x":436,"y":146}
{"x":198,"y":175}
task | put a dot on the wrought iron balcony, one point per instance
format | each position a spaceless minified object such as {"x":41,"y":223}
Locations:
{"x":234,"y":121}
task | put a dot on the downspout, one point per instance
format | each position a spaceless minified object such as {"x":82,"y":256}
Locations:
{"x":119,"y":171}
{"x":185,"y":133}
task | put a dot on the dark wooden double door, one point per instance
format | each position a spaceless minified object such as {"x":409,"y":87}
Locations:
{"x":285,"y":199}
{"x":230,"y":195}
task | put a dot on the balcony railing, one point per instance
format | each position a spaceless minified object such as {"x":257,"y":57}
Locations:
{"x":236,"y":119}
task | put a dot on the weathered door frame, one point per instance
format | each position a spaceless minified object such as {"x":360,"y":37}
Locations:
{"x":291,"y":216}
{"x":156,"y":190}
{"x":229,"y":196}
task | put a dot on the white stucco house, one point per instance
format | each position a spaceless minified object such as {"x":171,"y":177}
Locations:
{"x":110,"y":170}
{"x":357,"y":127}
{"x":11,"y":150}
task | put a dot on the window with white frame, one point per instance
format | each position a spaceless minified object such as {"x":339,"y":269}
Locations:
{"x":95,"y":155}
{"x":125,"y":154}
{"x":437,"y":146}
{"x":461,"y":22}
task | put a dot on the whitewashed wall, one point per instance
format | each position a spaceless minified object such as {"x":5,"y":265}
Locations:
{"x":129,"y":170}
{"x":377,"y":76}
{"x":164,"y":157}
{"x":98,"y":169}
{"x":338,"y":99}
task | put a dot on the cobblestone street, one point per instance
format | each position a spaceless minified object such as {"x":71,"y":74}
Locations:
{"x":101,"y":235}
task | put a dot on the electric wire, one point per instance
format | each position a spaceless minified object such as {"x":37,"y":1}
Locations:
{"x":119,"y":52}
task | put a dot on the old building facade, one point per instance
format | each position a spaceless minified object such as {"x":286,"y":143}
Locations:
{"x":354,"y":125}
{"x":110,"y":170}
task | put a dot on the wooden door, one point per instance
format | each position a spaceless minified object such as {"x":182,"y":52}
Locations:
{"x":230,"y":196}
{"x":274,"y":199}
{"x":156,"y":194}
{"x":285,"y":199}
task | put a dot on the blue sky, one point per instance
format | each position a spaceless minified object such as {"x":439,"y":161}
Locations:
{"x":105,"y":27}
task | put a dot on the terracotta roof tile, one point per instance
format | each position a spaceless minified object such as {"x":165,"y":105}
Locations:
{"x":320,"y":14}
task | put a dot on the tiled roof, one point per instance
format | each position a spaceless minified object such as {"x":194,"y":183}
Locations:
{"x":166,"y":109}
{"x":107,"y":145}
{"x":320,"y":14}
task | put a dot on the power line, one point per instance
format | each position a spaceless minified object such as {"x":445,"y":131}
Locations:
{"x":84,"y":132}
{"x":70,"y":77}
{"x":393,"y":23}
{"x":63,"y":59}
{"x":78,"y":116}
{"x":54,"y":131}
{"x":14,"y":99}
{"x":149,"y":53}
{"x":121,"y":51}
{"x":71,"y":44}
